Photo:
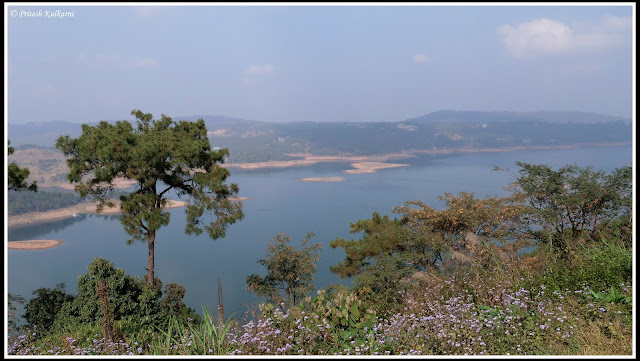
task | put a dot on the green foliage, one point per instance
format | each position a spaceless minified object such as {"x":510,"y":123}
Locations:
{"x":620,"y":228}
{"x":425,"y":239}
{"x":604,"y":264}
{"x":289,"y":270}
{"x":17,"y":177}
{"x":329,"y":323}
{"x":24,"y":202}
{"x":566,"y":206}
{"x":129,"y":298}
{"x":381,"y":236}
{"x":186,"y":338}
{"x":614,"y":296}
{"x":492,"y":217}
{"x":42,"y":310}
{"x":172,"y":305}
{"x":159,"y":155}
{"x":350,"y":318}
{"x":491,"y":311}
{"x":136,"y":308}
{"x":389,"y":251}
{"x":382,"y":281}
{"x":13,"y":329}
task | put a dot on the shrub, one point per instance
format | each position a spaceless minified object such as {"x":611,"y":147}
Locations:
{"x":42,"y":310}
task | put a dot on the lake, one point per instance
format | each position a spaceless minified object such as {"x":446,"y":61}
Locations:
{"x":279,"y":202}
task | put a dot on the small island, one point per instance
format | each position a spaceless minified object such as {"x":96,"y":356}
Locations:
{"x":323,"y":179}
{"x":371,"y":167}
{"x":34,"y":244}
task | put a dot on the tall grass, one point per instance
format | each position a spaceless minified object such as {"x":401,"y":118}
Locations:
{"x":185,"y":338}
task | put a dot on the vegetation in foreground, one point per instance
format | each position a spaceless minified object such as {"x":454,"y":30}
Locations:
{"x":546,"y":270}
{"x":17,"y":177}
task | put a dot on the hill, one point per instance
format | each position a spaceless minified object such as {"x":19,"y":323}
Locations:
{"x":445,"y":116}
{"x":256,"y":141}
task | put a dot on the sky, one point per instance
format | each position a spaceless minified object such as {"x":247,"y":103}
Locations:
{"x":322,"y":63}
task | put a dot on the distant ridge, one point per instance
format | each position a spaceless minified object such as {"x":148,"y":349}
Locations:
{"x":446,"y":116}
{"x":332,"y":137}
{"x":45,"y":133}
{"x":218,"y":120}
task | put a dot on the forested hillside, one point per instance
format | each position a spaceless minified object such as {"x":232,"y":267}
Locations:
{"x":24,"y":201}
{"x":255,"y":141}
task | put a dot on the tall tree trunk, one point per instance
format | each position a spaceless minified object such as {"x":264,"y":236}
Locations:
{"x":107,"y":316}
{"x":151,"y":240}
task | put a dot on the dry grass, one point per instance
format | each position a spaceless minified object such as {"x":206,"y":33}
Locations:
{"x":597,"y":338}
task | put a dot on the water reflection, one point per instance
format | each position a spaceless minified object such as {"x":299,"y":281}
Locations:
{"x":36,"y":231}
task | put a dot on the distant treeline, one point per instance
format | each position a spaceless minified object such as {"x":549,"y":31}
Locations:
{"x":24,"y":202}
{"x":34,"y":146}
{"x":276,"y":141}
{"x":249,"y":157}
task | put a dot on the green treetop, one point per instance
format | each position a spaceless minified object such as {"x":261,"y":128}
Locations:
{"x":159,"y":156}
{"x":570,"y":205}
{"x":17,"y":177}
{"x":289,"y":270}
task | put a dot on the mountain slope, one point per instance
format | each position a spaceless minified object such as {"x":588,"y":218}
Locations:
{"x":256,"y":141}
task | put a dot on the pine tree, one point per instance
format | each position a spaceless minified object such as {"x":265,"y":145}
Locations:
{"x":159,"y":156}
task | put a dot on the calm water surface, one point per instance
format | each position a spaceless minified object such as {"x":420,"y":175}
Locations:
{"x":279,"y":202}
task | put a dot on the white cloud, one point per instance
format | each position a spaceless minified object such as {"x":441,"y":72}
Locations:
{"x":420,"y":58}
{"x":546,"y":36}
{"x":254,"y":72}
{"x":259,"y":70}
{"x":536,"y":36}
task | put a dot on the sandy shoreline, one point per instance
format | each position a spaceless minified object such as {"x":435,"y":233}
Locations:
{"x":323,"y":179}
{"x":34,"y":244}
{"x":81,"y":208}
{"x":58,"y":214}
{"x":310,"y":159}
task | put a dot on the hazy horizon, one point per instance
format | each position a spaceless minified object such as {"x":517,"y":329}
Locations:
{"x":319,"y":63}
{"x":179,"y":117}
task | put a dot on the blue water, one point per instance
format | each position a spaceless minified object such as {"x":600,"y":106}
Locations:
{"x":279,"y":202}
